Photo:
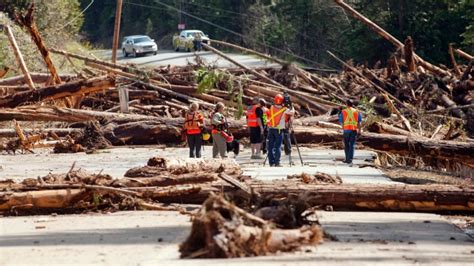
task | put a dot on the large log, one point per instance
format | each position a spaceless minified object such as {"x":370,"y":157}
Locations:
{"x":140,"y":129}
{"x":405,"y":198}
{"x":28,"y":22}
{"x":156,"y":132}
{"x":60,"y":132}
{"x":401,"y":145}
{"x":378,"y":197}
{"x":464,"y":54}
{"x":51,"y":113}
{"x":19,"y":57}
{"x":43,"y":199}
{"x":80,"y":87}
{"x":36,"y":77}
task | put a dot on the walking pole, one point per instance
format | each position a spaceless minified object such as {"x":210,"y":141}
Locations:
{"x":289,"y":155}
{"x":297,"y":146}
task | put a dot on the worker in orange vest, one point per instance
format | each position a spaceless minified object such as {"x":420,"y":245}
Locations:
{"x":350,"y":118}
{"x":276,"y":124}
{"x":193,"y":124}
{"x":254,"y":116}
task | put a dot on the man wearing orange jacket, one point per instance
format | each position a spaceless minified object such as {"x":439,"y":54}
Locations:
{"x":350,"y":118}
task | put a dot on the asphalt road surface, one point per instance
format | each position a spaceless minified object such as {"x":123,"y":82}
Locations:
{"x":169,"y":57}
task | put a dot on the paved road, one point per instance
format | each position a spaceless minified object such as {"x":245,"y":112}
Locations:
{"x":169,"y":57}
{"x":152,"y":238}
{"x":118,"y":160}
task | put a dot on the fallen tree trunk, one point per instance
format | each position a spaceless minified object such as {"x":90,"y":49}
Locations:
{"x":28,"y":22}
{"x":158,"y":165}
{"x":140,"y":129}
{"x":36,"y":77}
{"x":465,"y":55}
{"x":168,"y":180}
{"x":74,"y":115}
{"x":58,"y":91}
{"x":404,"y":198}
{"x":401,"y":145}
{"x":378,"y":197}
{"x":43,"y":199}
{"x":60,"y":132}
{"x":19,"y":58}
{"x":378,"y":127}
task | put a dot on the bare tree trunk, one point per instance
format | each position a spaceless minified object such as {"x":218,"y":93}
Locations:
{"x":27,"y":21}
{"x":19,"y":58}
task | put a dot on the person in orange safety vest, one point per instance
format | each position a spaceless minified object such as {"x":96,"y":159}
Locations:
{"x":276,"y":124}
{"x":193,"y":124}
{"x":350,"y":119}
{"x":255,"y":124}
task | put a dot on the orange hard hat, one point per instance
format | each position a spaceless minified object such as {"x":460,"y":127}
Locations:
{"x":279,"y":99}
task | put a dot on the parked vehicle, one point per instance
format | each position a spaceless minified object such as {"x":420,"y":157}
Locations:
{"x":137,"y":45}
{"x":184,"y":41}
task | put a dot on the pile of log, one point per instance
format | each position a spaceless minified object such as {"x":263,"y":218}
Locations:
{"x":411,"y":107}
{"x":78,"y":191}
{"x":170,"y":181}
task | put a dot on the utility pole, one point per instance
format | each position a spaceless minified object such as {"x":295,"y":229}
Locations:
{"x":118,"y":15}
{"x":179,"y":13}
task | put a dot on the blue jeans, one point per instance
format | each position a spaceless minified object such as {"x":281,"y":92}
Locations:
{"x":275,"y":138}
{"x":349,"y":144}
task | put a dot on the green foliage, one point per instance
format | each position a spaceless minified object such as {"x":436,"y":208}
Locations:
{"x":58,"y":21}
{"x":208,"y":79}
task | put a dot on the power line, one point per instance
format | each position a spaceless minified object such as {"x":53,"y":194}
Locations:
{"x":231,"y":31}
{"x":219,"y":9}
{"x":78,"y":16}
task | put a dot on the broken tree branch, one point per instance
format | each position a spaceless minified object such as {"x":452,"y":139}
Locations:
{"x":74,"y":88}
{"x":19,"y":57}
{"x":27,"y":21}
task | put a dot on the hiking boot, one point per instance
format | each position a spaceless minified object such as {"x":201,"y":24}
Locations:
{"x":258,"y":157}
{"x":278,"y":165}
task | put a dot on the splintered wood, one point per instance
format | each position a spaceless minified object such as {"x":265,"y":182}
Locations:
{"x":223,"y":230}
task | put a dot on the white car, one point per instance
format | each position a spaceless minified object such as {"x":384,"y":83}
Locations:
{"x":185,"y":40}
{"x":137,"y":45}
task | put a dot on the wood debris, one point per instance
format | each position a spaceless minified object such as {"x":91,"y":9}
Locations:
{"x":223,"y":230}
